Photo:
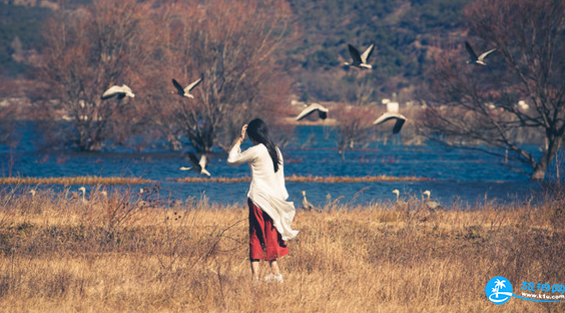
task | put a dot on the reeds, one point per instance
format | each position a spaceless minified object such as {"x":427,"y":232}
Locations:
{"x":74,"y":180}
{"x":118,"y":254}
{"x":306,"y":179}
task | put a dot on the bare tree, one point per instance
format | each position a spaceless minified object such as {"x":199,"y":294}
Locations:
{"x":353,"y":127}
{"x":364,"y":92}
{"x":233,"y":45}
{"x":479,"y":105}
{"x":8,"y":112}
{"x":87,"y":51}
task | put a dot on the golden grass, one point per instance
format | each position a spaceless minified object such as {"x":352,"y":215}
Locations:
{"x":306,"y":179}
{"x":122,"y":254}
{"x":75,"y":180}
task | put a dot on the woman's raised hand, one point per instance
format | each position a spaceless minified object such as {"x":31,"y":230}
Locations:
{"x":243,"y":131}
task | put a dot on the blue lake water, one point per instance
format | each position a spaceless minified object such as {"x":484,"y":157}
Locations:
{"x":455,"y":174}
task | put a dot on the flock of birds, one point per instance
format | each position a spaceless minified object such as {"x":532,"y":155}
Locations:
{"x":359,"y":60}
{"x":120,"y":92}
{"x":399,"y":204}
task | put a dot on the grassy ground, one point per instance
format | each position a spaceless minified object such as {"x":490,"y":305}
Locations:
{"x":122,"y":254}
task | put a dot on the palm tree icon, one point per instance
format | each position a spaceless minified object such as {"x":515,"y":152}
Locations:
{"x":497,"y":285}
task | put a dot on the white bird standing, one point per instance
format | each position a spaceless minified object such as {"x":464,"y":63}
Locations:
{"x":119,"y":91}
{"x":305,"y":204}
{"x":400,"y":119}
{"x":431,"y":205}
{"x":83,"y":199}
{"x":185,"y":92}
{"x":314,"y":107}
{"x":198,"y":166}
{"x":401,"y":205}
{"x":360,"y":60}
{"x":397,"y":193}
{"x":480,"y":60}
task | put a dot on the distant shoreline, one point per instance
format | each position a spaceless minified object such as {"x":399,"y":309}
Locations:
{"x":306,"y":179}
{"x":95,"y":180}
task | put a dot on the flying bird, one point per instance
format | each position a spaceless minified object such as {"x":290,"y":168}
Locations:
{"x":198,"y":166}
{"x":119,"y":91}
{"x":480,"y":60}
{"x":322,"y":111}
{"x":185,"y":92}
{"x":400,"y":119}
{"x":360,"y":60}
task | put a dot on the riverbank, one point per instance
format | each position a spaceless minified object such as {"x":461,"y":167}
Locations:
{"x":114,"y":254}
{"x":111,"y":181}
{"x":75,"y":180}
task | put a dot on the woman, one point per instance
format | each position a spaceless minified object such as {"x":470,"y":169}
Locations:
{"x":270,"y":215}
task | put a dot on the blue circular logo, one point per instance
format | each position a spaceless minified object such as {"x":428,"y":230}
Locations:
{"x":499,"y":290}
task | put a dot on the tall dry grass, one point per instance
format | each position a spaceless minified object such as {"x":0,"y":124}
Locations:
{"x":121,"y":253}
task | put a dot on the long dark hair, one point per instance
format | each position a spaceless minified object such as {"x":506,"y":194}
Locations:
{"x":257,"y":130}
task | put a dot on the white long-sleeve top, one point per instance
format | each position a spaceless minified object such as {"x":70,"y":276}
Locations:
{"x":267,"y":189}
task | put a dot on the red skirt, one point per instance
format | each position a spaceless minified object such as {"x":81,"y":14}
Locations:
{"x":265,"y":242}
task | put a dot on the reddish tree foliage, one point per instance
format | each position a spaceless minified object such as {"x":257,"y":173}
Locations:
{"x":479,"y":105}
{"x":144,"y":44}
{"x":233,"y":45}
{"x":86,"y":52}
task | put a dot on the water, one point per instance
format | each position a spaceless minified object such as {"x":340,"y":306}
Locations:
{"x":464,"y":175}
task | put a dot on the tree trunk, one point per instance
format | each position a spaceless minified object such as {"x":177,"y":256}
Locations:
{"x":552,"y":149}
{"x":539,"y":170}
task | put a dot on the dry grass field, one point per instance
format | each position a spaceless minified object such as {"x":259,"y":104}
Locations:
{"x":59,"y":253}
